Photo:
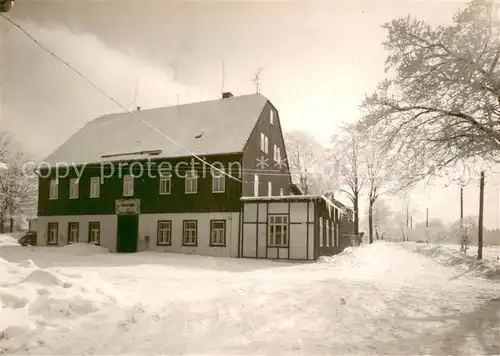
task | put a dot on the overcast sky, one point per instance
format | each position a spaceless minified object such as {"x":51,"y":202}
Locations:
{"x":317,"y":59}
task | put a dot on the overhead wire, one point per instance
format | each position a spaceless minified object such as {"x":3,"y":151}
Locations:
{"x":116,"y":102}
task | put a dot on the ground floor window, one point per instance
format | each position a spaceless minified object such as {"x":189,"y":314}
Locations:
{"x":52,"y":233}
{"x":73,"y":232}
{"x":95,"y":232}
{"x":278,"y":231}
{"x":190,"y":233}
{"x":164,"y":235}
{"x":217,"y":233}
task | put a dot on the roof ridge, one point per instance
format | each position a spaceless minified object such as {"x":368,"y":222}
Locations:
{"x":110,"y":115}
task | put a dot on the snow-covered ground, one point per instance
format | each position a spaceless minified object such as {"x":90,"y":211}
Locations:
{"x":378,"y":299}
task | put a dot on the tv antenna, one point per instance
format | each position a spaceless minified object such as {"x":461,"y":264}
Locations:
{"x":136,"y":90}
{"x":256,"y":80}
{"x":222,"y":74}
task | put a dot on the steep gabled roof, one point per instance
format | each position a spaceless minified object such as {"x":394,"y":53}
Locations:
{"x":211,"y":127}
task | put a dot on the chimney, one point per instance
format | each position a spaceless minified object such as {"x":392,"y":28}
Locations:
{"x":227,"y":95}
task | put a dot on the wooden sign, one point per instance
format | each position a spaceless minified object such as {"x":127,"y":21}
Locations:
{"x":129,"y":206}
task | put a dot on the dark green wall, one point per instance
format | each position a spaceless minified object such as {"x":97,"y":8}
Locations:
{"x":145,"y":188}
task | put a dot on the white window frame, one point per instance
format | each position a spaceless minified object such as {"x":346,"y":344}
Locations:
{"x":271,"y":116}
{"x":74,"y":188}
{"x":321,"y":237}
{"x":281,"y":222}
{"x":256,"y":185}
{"x":54,"y":189}
{"x":190,"y":233}
{"x":73,"y":229}
{"x":191,"y":182}
{"x":264,"y":143}
{"x":94,"y":232}
{"x":128,"y":185}
{"x":327,"y":237}
{"x":52,"y":233}
{"x":218,"y":181}
{"x":217,"y":233}
{"x":269,"y":189}
{"x":95,"y":187}
{"x":277,"y":153}
{"x":164,"y":235}
{"x":165,"y":185}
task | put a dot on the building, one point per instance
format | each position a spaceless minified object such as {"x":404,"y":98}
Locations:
{"x":121,"y":182}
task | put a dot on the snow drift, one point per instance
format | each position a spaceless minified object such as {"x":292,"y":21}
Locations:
{"x":33,"y":299}
{"x":84,"y":249}
{"x":487,"y":268}
{"x":6,"y":240}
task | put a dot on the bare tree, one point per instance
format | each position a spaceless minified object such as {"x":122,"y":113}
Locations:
{"x":381,"y":173}
{"x":441,"y":102}
{"x":382,"y":219}
{"x":305,"y":158}
{"x":17,"y":189}
{"x":347,"y":151}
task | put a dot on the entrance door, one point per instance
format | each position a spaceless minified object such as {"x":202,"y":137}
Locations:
{"x":127,"y":232}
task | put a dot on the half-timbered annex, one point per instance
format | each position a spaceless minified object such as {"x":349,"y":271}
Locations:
{"x":296,"y":227}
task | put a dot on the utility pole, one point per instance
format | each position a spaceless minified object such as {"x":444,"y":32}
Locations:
{"x":427,"y":225}
{"x":407,"y":223}
{"x":462,"y":234}
{"x":480,"y":223}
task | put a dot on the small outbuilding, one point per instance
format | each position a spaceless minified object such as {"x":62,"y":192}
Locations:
{"x":296,"y":227}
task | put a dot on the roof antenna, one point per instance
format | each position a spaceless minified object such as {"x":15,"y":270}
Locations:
{"x":256,"y":80}
{"x":222,"y":75}
{"x":136,"y":89}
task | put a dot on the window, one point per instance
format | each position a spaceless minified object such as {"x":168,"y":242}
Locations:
{"x":191,"y":182}
{"x":164,"y":236}
{"x":277,"y":153}
{"x":326,"y":232}
{"x":269,"y":188}
{"x":320,"y":232}
{"x":256,"y":185}
{"x":95,"y":187}
{"x":271,"y":116}
{"x":278,"y":231}
{"x":94,"y":232}
{"x":73,"y":232}
{"x":128,"y":186}
{"x":73,"y":188}
{"x":281,"y":192}
{"x":190,"y":233}
{"x":165,"y":183}
{"x":54,"y":189}
{"x":52,"y":233}
{"x":217,"y":233}
{"x":264,"y":143}
{"x":218,"y":181}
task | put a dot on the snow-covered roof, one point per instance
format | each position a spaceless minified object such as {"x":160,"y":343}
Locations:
{"x":330,"y":204}
{"x":205,"y":128}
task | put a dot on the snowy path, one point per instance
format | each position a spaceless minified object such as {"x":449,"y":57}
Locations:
{"x":379,"y":299}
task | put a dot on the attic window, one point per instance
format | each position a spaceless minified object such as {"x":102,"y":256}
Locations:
{"x":271,"y":116}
